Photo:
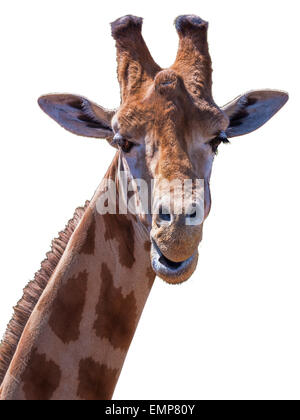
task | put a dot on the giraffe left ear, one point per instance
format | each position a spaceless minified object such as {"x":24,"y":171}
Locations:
{"x":250,"y":111}
{"x":78,"y":115}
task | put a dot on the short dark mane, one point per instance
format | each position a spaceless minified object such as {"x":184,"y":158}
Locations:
{"x":33,"y":292}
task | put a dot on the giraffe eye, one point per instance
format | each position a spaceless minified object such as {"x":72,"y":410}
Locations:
{"x":124,"y":144}
{"x":214,"y":143}
{"x":127,"y":146}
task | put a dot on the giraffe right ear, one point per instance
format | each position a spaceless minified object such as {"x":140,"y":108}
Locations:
{"x":250,"y":111}
{"x":78,"y":115}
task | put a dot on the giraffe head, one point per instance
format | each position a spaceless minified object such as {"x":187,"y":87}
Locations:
{"x":168,"y":129}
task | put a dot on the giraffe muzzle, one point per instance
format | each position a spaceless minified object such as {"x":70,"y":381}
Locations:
{"x":170,"y":271}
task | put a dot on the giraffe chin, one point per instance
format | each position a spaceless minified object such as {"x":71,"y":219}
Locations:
{"x":169,"y":271}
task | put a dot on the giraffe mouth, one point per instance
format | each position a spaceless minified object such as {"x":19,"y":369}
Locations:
{"x":170,"y":271}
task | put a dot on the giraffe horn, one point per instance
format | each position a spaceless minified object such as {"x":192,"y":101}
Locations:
{"x":135,"y":63}
{"x":193,"y":60}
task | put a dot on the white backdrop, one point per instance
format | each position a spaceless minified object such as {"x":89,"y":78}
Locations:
{"x":232,"y":331}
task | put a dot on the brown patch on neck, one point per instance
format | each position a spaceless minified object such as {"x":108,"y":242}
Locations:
{"x":33,"y":292}
{"x":89,"y":244}
{"x":150,"y":274}
{"x":40,"y":378}
{"x":147,"y":246}
{"x":120,"y":228}
{"x":96,"y":381}
{"x":68,"y":308}
{"x":113,"y":169}
{"x":116,"y":314}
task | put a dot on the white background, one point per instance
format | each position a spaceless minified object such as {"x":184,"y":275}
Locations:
{"x":232,"y":331}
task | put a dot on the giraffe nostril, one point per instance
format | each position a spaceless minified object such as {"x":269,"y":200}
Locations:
{"x":195,"y":215}
{"x":192,"y":215}
{"x":164,"y":215}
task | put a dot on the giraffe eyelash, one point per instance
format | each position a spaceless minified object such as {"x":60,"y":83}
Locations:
{"x":220,"y":138}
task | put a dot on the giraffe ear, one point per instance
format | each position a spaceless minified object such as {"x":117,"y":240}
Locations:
{"x":78,"y":115}
{"x":250,"y":111}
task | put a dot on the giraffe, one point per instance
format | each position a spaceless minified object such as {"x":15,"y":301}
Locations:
{"x":72,"y":329}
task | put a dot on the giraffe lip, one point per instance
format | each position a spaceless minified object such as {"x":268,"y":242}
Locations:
{"x":168,"y":269}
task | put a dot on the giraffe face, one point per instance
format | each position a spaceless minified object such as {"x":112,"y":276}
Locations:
{"x":168,"y":129}
{"x":167,"y":140}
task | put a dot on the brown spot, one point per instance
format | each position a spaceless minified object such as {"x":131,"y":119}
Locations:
{"x":41,"y":377}
{"x":68,"y":308}
{"x":96,"y":381}
{"x":150,"y":274}
{"x":116,"y":314}
{"x":147,"y":246}
{"x":130,"y":194}
{"x":120,"y":227}
{"x":89,"y":244}
{"x":33,"y":292}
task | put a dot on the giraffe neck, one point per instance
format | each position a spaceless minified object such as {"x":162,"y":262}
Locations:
{"x":77,"y":337}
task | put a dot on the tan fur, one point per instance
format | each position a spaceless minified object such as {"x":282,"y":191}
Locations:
{"x":89,"y":309}
{"x":95,"y":332}
{"x":71,"y":331}
{"x":33,"y":292}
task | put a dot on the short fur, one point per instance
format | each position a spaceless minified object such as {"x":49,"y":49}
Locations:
{"x":76,"y":340}
{"x":33,"y":291}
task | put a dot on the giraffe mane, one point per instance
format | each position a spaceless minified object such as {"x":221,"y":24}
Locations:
{"x":33,"y":291}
